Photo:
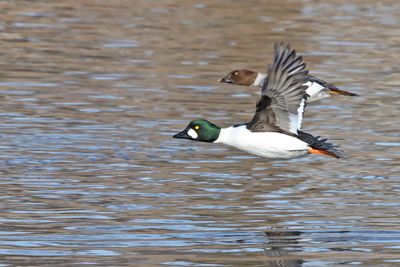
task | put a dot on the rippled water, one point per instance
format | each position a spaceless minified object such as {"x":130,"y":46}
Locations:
{"x":92,"y":91}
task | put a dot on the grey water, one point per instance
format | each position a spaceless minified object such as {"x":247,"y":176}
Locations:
{"x":92,"y":91}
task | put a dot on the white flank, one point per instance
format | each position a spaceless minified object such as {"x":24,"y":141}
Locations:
{"x":259,"y":81}
{"x":192,"y":133}
{"x":264,"y":144}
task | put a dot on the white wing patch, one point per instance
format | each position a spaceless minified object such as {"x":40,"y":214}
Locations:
{"x":313,"y":88}
{"x":300,"y":112}
{"x":316,"y":92}
{"x":297,"y":119}
{"x":192,"y":133}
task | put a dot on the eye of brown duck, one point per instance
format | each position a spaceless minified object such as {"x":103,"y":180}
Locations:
{"x":236,"y":73}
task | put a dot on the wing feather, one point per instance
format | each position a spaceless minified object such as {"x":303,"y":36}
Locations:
{"x":282,"y":101}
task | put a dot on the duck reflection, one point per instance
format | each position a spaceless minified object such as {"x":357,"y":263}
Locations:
{"x":279,"y":242}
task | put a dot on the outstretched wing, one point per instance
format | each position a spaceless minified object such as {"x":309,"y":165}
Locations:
{"x":282,"y":102}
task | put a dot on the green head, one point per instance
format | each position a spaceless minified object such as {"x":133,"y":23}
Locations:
{"x":200,"y":130}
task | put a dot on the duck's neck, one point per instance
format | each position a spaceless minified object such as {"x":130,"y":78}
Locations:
{"x":259,"y":81}
{"x":226,"y":135}
{"x":223,"y":135}
{"x":209,"y":132}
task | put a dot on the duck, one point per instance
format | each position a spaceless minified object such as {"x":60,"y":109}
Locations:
{"x":274,"y":131}
{"x":317,"y":89}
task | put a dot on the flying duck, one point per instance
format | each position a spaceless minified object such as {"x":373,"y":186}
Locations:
{"x":274,"y":131}
{"x":317,"y":89}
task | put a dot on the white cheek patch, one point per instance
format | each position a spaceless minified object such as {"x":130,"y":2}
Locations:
{"x":192,"y":133}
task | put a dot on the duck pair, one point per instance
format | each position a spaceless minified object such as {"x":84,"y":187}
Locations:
{"x":274,"y":131}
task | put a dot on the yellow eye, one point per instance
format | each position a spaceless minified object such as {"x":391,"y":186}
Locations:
{"x":196,"y":127}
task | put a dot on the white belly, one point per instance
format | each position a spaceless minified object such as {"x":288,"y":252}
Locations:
{"x":263,"y":144}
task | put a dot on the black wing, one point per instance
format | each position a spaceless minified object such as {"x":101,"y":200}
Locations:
{"x":321,"y":144}
{"x":283,"y":96}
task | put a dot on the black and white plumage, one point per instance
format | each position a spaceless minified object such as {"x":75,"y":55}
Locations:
{"x":317,"y":88}
{"x":273,"y":131}
{"x":283,"y":96}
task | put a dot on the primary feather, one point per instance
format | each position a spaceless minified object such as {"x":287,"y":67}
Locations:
{"x":282,"y":101}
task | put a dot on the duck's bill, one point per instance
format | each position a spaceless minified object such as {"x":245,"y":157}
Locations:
{"x":182,"y":135}
{"x":225,"y":80}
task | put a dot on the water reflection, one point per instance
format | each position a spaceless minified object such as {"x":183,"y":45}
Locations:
{"x":278,"y":243}
{"x":91,"y":92}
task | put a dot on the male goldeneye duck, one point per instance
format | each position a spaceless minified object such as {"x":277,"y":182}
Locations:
{"x":274,"y":130}
{"x":317,"y":89}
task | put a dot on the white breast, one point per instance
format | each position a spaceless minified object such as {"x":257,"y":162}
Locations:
{"x":263,"y":144}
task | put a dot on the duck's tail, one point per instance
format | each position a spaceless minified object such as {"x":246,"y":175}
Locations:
{"x":320,"y":146}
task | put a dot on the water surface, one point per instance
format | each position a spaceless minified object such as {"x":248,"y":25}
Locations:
{"x":92,"y":91}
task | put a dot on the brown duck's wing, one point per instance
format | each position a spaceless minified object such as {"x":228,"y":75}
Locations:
{"x":331,"y":87}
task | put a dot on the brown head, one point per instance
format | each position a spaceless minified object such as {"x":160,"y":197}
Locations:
{"x":240,"y":77}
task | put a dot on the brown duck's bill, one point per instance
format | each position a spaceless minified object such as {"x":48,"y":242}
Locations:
{"x":225,"y":80}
